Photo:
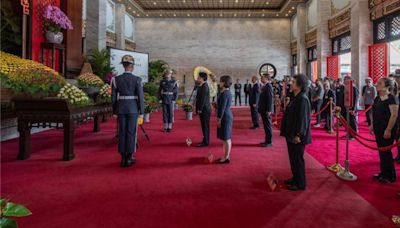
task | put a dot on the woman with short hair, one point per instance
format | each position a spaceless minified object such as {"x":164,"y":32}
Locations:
{"x":384,"y":126}
{"x":225,"y":118}
{"x":296,"y":129}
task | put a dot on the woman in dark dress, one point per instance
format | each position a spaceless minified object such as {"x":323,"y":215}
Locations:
{"x":225,"y":118}
{"x":296,"y":129}
{"x":384,"y":126}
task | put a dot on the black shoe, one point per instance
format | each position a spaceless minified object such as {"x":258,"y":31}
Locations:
{"x":385,"y":180}
{"x":266,"y":144}
{"x":254,"y":128}
{"x":123,"y":161}
{"x":295,"y":188}
{"x":165,"y":130}
{"x":202,"y":145}
{"x":130,"y":160}
{"x":376,"y":176}
{"x":169,"y":130}
{"x":226,"y":161}
{"x":289,"y":182}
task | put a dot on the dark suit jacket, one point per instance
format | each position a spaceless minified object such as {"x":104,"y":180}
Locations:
{"x":296,"y":120}
{"x":247,"y":88}
{"x":255,"y":94}
{"x":127,"y":84}
{"x":266,"y":102}
{"x":203,"y":99}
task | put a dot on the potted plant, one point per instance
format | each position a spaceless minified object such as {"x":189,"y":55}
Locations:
{"x":104,"y":96}
{"x":10,"y":210}
{"x":188,"y":108}
{"x":100,"y":63}
{"x":91,"y":84}
{"x":74,"y":96}
{"x":147,"y":110}
{"x":55,"y":21}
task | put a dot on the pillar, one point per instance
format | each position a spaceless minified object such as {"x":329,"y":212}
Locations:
{"x":301,"y":38}
{"x":361,"y":38}
{"x":324,"y":43}
{"x":120,"y":26}
{"x":96,"y":24}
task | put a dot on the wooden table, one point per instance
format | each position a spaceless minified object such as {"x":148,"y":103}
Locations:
{"x":55,"y":113}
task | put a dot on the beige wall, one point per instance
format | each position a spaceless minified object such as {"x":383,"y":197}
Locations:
{"x":226,"y":46}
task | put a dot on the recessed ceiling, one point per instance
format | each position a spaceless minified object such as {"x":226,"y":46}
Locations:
{"x":212,"y":8}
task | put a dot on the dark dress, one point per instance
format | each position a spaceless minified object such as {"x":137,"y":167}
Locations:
{"x":225,"y":114}
{"x":381,"y":115}
{"x":296,"y":122}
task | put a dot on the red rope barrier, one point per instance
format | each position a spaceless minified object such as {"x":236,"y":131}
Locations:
{"x":344,"y":122}
{"x":356,"y":136}
{"x":322,"y":110}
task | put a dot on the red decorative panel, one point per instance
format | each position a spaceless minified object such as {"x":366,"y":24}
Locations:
{"x":37,"y":28}
{"x":332,"y":67}
{"x":378,"y":61}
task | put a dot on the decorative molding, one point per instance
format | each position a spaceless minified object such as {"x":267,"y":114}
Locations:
{"x":335,"y":10}
{"x":311,"y":38}
{"x":111,"y":39}
{"x":293,"y":47}
{"x":129,"y":45}
{"x":381,"y":8}
{"x":340,"y":24}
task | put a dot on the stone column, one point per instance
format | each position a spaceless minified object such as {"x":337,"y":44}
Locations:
{"x":96,"y":24}
{"x":324,"y":43}
{"x":301,"y":38}
{"x":361,"y":38}
{"x":120,"y":26}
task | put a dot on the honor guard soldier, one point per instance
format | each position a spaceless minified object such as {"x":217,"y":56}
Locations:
{"x":128,"y":104}
{"x":167,"y":94}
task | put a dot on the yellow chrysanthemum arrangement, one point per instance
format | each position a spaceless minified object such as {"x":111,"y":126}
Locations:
{"x":105,"y":94}
{"x":89,"y":80}
{"x":74,"y":96}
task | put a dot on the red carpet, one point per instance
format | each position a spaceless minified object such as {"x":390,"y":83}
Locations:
{"x":172,"y":187}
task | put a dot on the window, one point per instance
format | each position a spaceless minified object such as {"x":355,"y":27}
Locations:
{"x":110,"y":16}
{"x":129,"y":27}
{"x":341,"y":44}
{"x":312,"y":54}
{"x":387,"y":29}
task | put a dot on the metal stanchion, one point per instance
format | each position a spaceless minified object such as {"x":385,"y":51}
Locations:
{"x":336,"y":167}
{"x":330,"y":116}
{"x":346,"y":174}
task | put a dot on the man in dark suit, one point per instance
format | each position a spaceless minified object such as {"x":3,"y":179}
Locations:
{"x":253,"y":101}
{"x":203,"y":108}
{"x":238,"y":93}
{"x":265,"y":108}
{"x":247,"y":91}
{"x":128,"y":104}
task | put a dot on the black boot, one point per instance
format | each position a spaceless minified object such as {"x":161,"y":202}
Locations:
{"x":123,"y":161}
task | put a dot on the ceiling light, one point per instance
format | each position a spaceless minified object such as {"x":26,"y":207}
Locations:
{"x":202,"y":15}
{"x":160,"y":15}
{"x":154,"y":3}
{"x":286,"y":15}
{"x":249,"y":15}
{"x":174,"y":15}
{"x":200,"y":1}
{"x":263,"y":15}
{"x":188,"y":15}
{"x":234,"y":15}
{"x":220,"y":1}
{"x":267,"y":3}
{"x":236,"y":1}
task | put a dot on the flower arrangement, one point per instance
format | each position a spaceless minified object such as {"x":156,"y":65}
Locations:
{"x":28,"y":77}
{"x":90,"y":80}
{"x":105,"y":94}
{"x":9,"y":64}
{"x":74,"y":96}
{"x":55,"y":19}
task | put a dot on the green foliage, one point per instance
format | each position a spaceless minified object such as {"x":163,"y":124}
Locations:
{"x":151,"y":88}
{"x":100,"y":62}
{"x":10,"y":30}
{"x":9,"y":209}
{"x":156,"y":70}
{"x":188,"y":108}
{"x":35,"y":83}
{"x":151,"y":103}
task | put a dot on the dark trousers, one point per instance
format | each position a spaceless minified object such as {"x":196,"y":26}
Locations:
{"x":168,"y":113}
{"x":267,"y":123}
{"x":368,"y":114}
{"x":317,"y":108}
{"x":352,"y":118}
{"x":127,"y":133}
{"x":297,"y":165}
{"x":205,"y":126}
{"x":246,"y":98}
{"x":238,"y":97}
{"x":254,"y":116}
{"x":386,"y":157}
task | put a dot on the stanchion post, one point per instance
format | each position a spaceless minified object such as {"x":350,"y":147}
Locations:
{"x":330,"y":115}
{"x":336,"y":167}
{"x":346,"y":174}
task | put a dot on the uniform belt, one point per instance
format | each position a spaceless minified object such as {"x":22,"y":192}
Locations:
{"x":127,"y":97}
{"x":167,"y":93}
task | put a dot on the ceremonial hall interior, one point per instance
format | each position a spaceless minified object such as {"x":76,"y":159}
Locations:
{"x":200,"y":113}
